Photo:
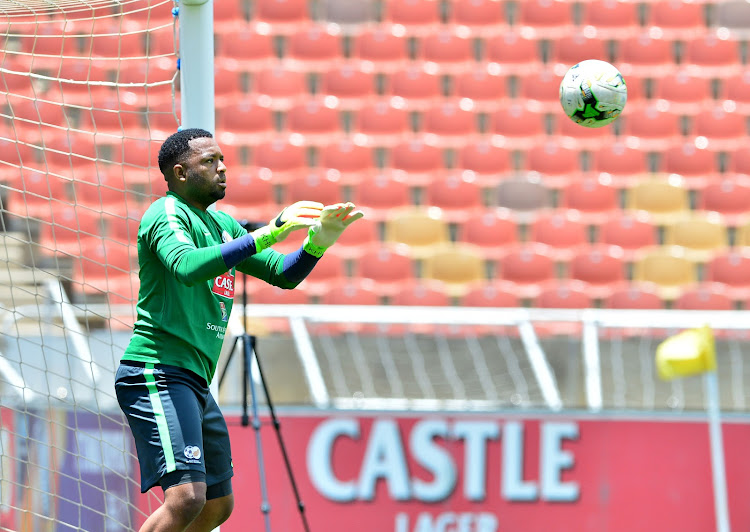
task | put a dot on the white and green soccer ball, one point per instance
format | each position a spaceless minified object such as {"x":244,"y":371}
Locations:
{"x":593,"y":93}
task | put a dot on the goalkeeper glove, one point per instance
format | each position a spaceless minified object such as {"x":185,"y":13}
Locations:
{"x":331,"y":223}
{"x":300,"y":215}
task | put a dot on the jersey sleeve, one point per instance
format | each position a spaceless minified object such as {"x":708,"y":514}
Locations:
{"x":166,"y":233}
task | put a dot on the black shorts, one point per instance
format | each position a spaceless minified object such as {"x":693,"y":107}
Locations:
{"x":175,"y":421}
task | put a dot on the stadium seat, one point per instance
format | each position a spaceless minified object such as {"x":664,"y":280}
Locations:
{"x":706,"y":296}
{"x":634,"y":234}
{"x":652,"y":128}
{"x":720,"y":130}
{"x":422,"y":294}
{"x":480,"y":89}
{"x":110,"y":115}
{"x":381,"y":124}
{"x":683,"y":93}
{"x":524,"y":197}
{"x":329,"y":272}
{"x":415,"y":18}
{"x":516,"y":127}
{"x":457,"y":265}
{"x":562,"y":232}
{"x":67,"y":152}
{"x":513,"y":53}
{"x":123,"y":228}
{"x":418,"y":230}
{"x":35,"y":119}
{"x":312,"y":49}
{"x":350,"y":292}
{"x":106,"y":39}
{"x":571,"y":49}
{"x":250,"y":197}
{"x":489,"y":164}
{"x":314,"y":186}
{"x":729,"y":199}
{"x":260,"y":293}
{"x":540,"y":90}
{"x":698,"y":237}
{"x":612,"y":19}
{"x":244,"y":122}
{"x":561,"y":294}
{"x":732,"y":270}
{"x":635,"y":296}
{"x":67,"y":229}
{"x":279,"y":161}
{"x":739,"y":163}
{"x":676,"y":20}
{"x":380,"y":50}
{"x":447,"y":125}
{"x":33,"y":193}
{"x":712,"y":56}
{"x":446,"y":52}
{"x":661,"y":201}
{"x":645,"y":55}
{"x":350,"y":18}
{"x":315,"y":122}
{"x":136,"y":157}
{"x":148,"y":79}
{"x":571,"y":135}
{"x":732,"y":20}
{"x":100,"y":261}
{"x":245,"y":50}
{"x":524,"y":269}
{"x":736,"y":89}
{"x":547,"y":19}
{"x":457,"y":195}
{"x":357,"y":240}
{"x":592,"y":198}
{"x":413,"y":88}
{"x":487,"y":294}
{"x":379,"y":195}
{"x":103,"y":190}
{"x":390,"y":271}
{"x":72,"y":73}
{"x":347,"y":163}
{"x":697,"y":167}
{"x":557,"y":166}
{"x":478,"y":18}
{"x":742,"y":236}
{"x":279,"y":17}
{"x":278,"y":88}
{"x":492,"y":231}
{"x":351,"y":87}
{"x":671,"y":273}
{"x":619,"y":164}
{"x":600,"y":266}
{"x":417,"y":163}
{"x":229,"y":14}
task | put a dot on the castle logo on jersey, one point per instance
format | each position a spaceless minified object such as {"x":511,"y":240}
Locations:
{"x":224,"y":313}
{"x":224,"y":285}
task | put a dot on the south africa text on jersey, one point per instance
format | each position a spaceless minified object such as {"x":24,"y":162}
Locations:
{"x":218,"y":328}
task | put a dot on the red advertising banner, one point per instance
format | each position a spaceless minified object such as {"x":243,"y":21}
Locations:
{"x":483,"y":473}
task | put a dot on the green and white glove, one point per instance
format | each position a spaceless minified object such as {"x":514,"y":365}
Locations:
{"x":300,"y":215}
{"x":331,"y":223}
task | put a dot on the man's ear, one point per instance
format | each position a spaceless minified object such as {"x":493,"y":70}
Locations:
{"x":179,"y":172}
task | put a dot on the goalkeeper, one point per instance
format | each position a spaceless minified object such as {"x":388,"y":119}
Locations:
{"x":188,"y":255}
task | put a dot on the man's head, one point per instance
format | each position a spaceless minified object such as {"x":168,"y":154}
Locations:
{"x":193,"y":166}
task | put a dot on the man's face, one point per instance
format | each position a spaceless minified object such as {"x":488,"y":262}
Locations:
{"x":204,"y":173}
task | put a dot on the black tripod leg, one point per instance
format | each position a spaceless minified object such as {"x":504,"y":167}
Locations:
{"x":277,"y":427}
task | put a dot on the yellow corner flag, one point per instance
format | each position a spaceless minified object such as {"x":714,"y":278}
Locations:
{"x":688,"y":353}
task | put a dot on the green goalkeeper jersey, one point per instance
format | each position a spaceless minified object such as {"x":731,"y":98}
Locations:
{"x":186,"y":290}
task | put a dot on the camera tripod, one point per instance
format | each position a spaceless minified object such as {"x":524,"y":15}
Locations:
{"x":249,"y":350}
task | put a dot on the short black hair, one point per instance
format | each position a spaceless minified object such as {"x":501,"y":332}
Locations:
{"x":176,"y":146}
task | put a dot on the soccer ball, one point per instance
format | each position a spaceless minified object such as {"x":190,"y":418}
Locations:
{"x":593,"y":93}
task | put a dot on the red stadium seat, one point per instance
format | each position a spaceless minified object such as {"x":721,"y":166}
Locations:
{"x":696,"y":166}
{"x":558,"y":166}
{"x":736,"y":89}
{"x":593,"y":199}
{"x":75,"y":91}
{"x":245,"y":122}
{"x":540,"y":91}
{"x":513,"y":53}
{"x":103,"y":190}
{"x":109,"y":115}
{"x":683,"y":93}
{"x":33,"y":193}
{"x":147,"y":79}
{"x":446,"y":52}
{"x":459,"y":198}
{"x":329,"y":272}
{"x":68,"y":152}
{"x":729,"y":198}
{"x":516,"y":127}
{"x":381,"y":194}
{"x":489,"y":164}
{"x":571,"y":135}
{"x":100,"y":262}
{"x":229,"y":14}
{"x":107,"y":40}
{"x":637,"y":296}
{"x":390,"y":271}
{"x":611,"y":18}
{"x":67,"y":229}
{"x":732,"y":270}
{"x":478,"y":18}
{"x":351,"y":87}
{"x":635,"y":235}
{"x":652,"y":128}
{"x":645,"y":55}
{"x":739,"y":162}
{"x":525,"y":269}
{"x":548,"y":19}
{"x":380,"y":50}
{"x":447,"y":125}
{"x":562,"y":232}
{"x":416,"y":163}
{"x":250,"y":197}
{"x":314,"y":186}
{"x":278,"y":88}
{"x":492,"y":231}
{"x":487,"y":294}
{"x":712,"y":56}
{"x":601,"y":267}
{"x":562,"y":294}
{"x":279,"y":161}
{"x":620,"y":164}
{"x":352,"y":292}
{"x":315,"y":122}
{"x":413,"y":88}
{"x":705,"y":296}
{"x":480,"y":89}
{"x":312,"y":48}
{"x":245,"y":50}
{"x":279,"y":17}
{"x":414,"y":17}
{"x":381,"y":125}
{"x":358,"y":239}
{"x":574,"y":48}
{"x":676,"y":20}
{"x":347,"y":162}
{"x":720,"y":129}
{"x":123,"y":228}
